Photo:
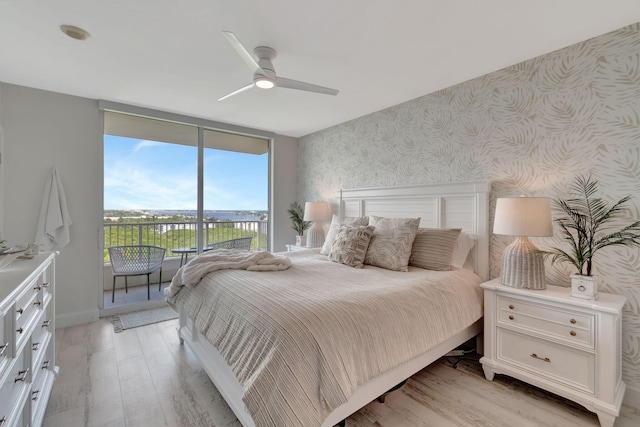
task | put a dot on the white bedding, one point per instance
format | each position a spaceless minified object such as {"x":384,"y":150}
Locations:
{"x":301,"y":340}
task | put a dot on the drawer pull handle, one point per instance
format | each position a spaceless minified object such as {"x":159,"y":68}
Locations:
{"x":45,"y":324}
{"x":45,"y":364}
{"x":35,"y":346}
{"x":22,"y":375}
{"x":511,"y":306}
{"x":34,"y":395}
{"x":3,"y":419}
{"x":37,"y":303}
{"x":573,"y":333}
{"x":20,"y":310}
{"x":3,"y":348}
{"x":45,"y":284}
{"x":546,"y":359}
{"x":573,"y":321}
{"x":37,"y":288}
{"x":20,"y":330}
{"x":511,"y":317}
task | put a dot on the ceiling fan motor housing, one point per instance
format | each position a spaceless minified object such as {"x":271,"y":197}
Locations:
{"x":265,"y":55}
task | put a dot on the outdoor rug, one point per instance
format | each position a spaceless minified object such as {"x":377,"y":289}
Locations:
{"x":141,"y":318}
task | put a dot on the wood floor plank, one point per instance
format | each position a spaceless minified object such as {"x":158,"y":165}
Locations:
{"x":139,"y":398}
{"x":144,"y":377}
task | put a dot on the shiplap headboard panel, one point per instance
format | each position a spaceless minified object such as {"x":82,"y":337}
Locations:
{"x":447,"y":205}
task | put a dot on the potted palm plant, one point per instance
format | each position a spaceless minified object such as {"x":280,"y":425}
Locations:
{"x":586,"y":223}
{"x":296,"y":214}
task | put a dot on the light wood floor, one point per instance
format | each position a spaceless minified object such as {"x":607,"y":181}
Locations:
{"x":143,"y":377}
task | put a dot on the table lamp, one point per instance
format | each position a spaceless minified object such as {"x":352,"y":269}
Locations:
{"x":522,"y":262}
{"x":316,"y":212}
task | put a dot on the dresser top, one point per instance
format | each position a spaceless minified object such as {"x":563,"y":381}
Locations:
{"x":603,"y":302}
{"x":19,"y":271}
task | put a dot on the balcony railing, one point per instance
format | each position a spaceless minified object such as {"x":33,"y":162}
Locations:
{"x":172,"y":235}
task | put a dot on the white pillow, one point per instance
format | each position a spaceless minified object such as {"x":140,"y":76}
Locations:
{"x":465,"y":243}
{"x":336,"y":222}
{"x":391,"y":244}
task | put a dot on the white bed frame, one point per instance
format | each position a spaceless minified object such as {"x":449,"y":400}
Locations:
{"x":450,"y":205}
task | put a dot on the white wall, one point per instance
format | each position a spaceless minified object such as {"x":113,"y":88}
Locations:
{"x":1,"y":170}
{"x":284,"y":159}
{"x":45,"y":129}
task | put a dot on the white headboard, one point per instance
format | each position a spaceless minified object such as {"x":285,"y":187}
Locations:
{"x":446,"y":205}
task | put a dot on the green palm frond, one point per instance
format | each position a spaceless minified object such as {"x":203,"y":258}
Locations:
{"x":296,"y":214}
{"x":583,"y":219}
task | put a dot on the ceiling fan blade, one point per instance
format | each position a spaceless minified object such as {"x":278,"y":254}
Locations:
{"x":244,"y":53}
{"x":235,"y":92}
{"x":295,"y":84}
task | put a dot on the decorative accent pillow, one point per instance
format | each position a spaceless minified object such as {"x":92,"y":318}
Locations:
{"x":390,"y":246}
{"x":433,"y":248}
{"x":350,"y":245}
{"x":336,"y":222}
{"x":464,"y":245}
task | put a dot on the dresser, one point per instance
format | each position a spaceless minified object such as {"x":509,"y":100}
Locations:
{"x":27,"y":347}
{"x":566,"y":345}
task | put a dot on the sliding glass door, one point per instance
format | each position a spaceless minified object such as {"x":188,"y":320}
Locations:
{"x":183,"y":187}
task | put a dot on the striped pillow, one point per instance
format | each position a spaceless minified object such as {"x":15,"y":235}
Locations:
{"x":350,"y":245}
{"x":391,"y":243}
{"x":433,"y":248}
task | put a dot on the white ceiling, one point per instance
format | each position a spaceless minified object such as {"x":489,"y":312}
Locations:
{"x":170,"y":54}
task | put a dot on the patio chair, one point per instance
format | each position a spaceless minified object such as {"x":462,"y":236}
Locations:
{"x":243,"y":243}
{"x":135,"y":261}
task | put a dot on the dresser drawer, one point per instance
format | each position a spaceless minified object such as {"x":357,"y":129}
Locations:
{"x":569,"y":326}
{"x":28,"y":307}
{"x":558,"y":363}
{"x":43,"y":324}
{"x":6,"y":339}
{"x":15,"y":384}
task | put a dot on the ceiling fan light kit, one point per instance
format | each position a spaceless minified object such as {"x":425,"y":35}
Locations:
{"x":264,"y":73}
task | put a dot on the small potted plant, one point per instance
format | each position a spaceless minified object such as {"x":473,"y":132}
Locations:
{"x":296,"y":213}
{"x":586,"y":223}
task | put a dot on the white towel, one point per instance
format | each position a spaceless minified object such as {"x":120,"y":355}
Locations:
{"x":54,"y":222}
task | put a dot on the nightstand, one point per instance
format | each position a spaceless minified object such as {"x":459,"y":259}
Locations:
{"x":293,"y":248}
{"x":566,"y":345}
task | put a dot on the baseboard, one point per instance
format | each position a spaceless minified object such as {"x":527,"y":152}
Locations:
{"x":632,"y":398}
{"x":72,"y":319}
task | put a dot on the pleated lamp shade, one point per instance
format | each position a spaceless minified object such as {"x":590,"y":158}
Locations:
{"x":522,"y":262}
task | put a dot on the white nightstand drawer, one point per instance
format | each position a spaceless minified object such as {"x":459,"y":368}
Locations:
{"x":565,"y":365}
{"x":568,"y":326}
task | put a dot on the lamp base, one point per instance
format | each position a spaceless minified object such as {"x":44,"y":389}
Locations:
{"x":522,"y":265}
{"x":315,"y":236}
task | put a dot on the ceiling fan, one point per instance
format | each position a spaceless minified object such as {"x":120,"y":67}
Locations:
{"x":264,"y":73}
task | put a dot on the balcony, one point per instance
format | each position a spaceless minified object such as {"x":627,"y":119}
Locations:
{"x":172,"y":235}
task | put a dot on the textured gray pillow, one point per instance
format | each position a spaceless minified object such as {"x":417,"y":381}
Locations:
{"x":350,"y":245}
{"x":390,"y":246}
{"x":336,"y":222}
{"x":433,"y":248}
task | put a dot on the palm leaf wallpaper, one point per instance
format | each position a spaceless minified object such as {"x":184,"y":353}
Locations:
{"x":530,"y":128}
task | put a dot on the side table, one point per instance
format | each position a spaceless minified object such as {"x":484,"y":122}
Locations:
{"x":566,"y":345}
{"x":184,"y":253}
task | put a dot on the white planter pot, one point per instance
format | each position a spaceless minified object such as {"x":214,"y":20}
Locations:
{"x":584,"y":286}
{"x":301,"y":241}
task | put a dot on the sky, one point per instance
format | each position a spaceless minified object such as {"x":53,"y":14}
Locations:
{"x":141,"y":174}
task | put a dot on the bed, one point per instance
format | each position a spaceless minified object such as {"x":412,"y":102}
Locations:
{"x":327,"y":370}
